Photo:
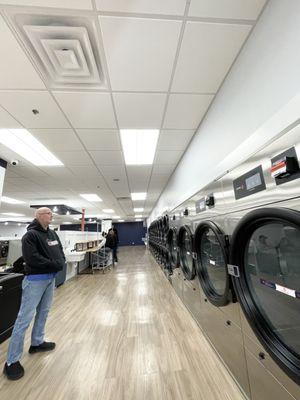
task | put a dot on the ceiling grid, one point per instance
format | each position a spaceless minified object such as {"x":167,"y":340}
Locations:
{"x":145,"y":49}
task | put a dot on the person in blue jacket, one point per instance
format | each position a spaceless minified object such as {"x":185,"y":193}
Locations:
{"x":44,"y":257}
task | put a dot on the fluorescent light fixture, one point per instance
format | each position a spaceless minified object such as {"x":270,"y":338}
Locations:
{"x":9,"y":200}
{"x":121,"y":220}
{"x":139,"y":145}
{"x":90,"y":197}
{"x":138,"y":220}
{"x":108,"y":210}
{"x":27,"y":146}
{"x":12,"y":214}
{"x":15,"y":219}
{"x":138,"y":209}
{"x":66,"y":223}
{"x":138,"y":216}
{"x":116,"y":216}
{"x":5,"y":223}
{"x":138,"y":196}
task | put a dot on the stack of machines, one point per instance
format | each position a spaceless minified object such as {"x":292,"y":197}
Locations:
{"x":232,"y":254}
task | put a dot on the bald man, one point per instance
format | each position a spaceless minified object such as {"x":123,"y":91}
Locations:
{"x":44,"y":257}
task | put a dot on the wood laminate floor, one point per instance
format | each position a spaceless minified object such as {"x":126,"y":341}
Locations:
{"x":124,"y":335}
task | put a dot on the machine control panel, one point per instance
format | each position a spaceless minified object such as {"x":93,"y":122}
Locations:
{"x":200,"y":205}
{"x":251,"y":182}
{"x":285,"y":166}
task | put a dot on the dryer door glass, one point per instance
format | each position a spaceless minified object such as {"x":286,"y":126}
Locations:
{"x":212,"y":262}
{"x":186,"y":251}
{"x":173,"y":248}
{"x":272,"y":272}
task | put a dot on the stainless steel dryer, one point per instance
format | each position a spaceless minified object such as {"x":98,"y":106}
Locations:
{"x":219,"y":312}
{"x":263,"y":204}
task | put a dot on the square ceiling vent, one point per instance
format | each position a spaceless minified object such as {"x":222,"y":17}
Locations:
{"x":65,"y":48}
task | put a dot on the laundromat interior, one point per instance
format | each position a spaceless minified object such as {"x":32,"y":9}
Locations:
{"x":177,"y":124}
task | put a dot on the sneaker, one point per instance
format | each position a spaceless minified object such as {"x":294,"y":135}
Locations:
{"x":13,"y":371}
{"x":45,"y":346}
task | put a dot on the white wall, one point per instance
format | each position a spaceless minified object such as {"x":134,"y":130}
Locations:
{"x":257,"y":101}
{"x":11,"y":230}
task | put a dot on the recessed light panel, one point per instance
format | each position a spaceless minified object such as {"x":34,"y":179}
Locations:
{"x":9,"y":200}
{"x":139,"y":145}
{"x":27,"y":146}
{"x":139,"y":196}
{"x":12,"y":214}
{"x":91,"y":197}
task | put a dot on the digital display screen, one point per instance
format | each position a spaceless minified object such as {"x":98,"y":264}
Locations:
{"x":202,"y":205}
{"x":253,"y":181}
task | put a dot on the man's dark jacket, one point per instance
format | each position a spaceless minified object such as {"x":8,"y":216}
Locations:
{"x":42,"y":250}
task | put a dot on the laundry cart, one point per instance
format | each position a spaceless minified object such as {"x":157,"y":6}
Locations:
{"x":101,"y":259}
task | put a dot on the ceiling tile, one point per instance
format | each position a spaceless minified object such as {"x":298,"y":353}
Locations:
{"x":58,"y":139}
{"x":58,"y":172}
{"x":21,"y":103}
{"x":29,"y":172}
{"x":177,"y":140}
{"x":11,"y":173}
{"x":86,"y":109}
{"x":163,"y":168}
{"x":100,"y":139}
{"x":140,"y":52}
{"x":167,"y":157}
{"x":84,"y":171}
{"x":120,"y":189}
{"x":138,"y":185}
{"x":113,"y":171}
{"x":246,"y":9}
{"x":158,"y":180}
{"x":139,"y":110}
{"x":107,"y":157}
{"x":139,"y":171}
{"x":74,"y":157}
{"x":169,"y":7}
{"x":11,"y":75}
{"x":74,"y":4}
{"x":207,"y":52}
{"x":6,"y":121}
{"x":185,"y":111}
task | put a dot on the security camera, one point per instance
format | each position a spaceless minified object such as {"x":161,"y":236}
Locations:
{"x":14,"y":162}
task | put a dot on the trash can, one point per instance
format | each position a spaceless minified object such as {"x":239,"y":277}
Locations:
{"x":10,"y":300}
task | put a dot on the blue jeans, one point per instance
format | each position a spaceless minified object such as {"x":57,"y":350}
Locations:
{"x":37,"y":297}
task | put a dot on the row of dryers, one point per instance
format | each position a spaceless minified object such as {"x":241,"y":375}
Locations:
{"x":232,"y":253}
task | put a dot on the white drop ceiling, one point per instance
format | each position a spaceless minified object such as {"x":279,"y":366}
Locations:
{"x":162,"y":62}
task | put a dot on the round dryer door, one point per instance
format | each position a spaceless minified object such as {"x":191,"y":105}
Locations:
{"x":172,"y":247}
{"x":185,"y":244}
{"x":211,"y":250}
{"x":265,"y":253}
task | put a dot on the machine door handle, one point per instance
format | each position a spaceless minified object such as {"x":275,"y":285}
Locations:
{"x":228,"y":322}
{"x":261,"y":355}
